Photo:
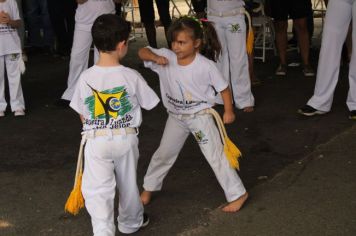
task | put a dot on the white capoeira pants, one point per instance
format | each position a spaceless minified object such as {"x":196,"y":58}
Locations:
{"x":233,"y":62}
{"x":338,"y":16}
{"x":207,"y":135}
{"x":110,"y":163}
{"x":17,"y":101}
{"x":79,"y":57}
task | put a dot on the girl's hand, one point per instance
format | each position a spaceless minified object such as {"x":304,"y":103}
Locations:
{"x":4,"y":18}
{"x":228,"y":117}
{"x":161,"y":60}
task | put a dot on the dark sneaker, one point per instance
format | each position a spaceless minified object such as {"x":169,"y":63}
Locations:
{"x":145,"y":220}
{"x":352,"y":115}
{"x":310,"y":111}
{"x":308,"y":71}
{"x":281,"y":70}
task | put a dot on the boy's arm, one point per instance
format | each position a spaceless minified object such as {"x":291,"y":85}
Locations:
{"x":229,"y":115}
{"x":81,"y":118}
{"x":146,"y":54}
{"x":81,"y":1}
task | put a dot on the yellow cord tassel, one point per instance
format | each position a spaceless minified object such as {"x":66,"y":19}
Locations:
{"x":75,"y":201}
{"x":250,"y":35}
{"x":231,"y":151}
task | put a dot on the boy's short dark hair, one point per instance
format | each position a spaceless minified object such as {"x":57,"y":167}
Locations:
{"x":108,"y":30}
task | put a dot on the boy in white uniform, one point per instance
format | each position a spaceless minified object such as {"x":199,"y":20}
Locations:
{"x":229,"y":20}
{"x":10,"y":55}
{"x":109,"y":98}
{"x":86,"y":13}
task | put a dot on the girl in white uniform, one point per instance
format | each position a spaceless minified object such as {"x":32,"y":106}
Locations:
{"x":229,"y":21}
{"x":189,"y":82}
{"x":10,"y":56}
{"x":109,"y":98}
{"x":338,"y":16}
{"x":86,"y":13}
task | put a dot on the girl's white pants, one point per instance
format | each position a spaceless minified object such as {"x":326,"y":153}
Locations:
{"x":79,"y":57}
{"x":233,"y":62}
{"x":338,"y":16}
{"x":11,"y":61}
{"x":207,"y":135}
{"x":110,"y":164}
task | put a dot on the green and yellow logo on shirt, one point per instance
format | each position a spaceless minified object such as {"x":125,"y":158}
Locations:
{"x":109,"y":103}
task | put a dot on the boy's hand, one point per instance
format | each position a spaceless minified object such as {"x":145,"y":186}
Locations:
{"x":228,"y":117}
{"x":81,"y":1}
{"x":161,"y":60}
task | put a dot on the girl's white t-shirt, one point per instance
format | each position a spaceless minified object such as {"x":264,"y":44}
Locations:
{"x":9,"y":38}
{"x":87,"y":12}
{"x":224,"y":5}
{"x":187,"y":89}
{"x":112,"y":97}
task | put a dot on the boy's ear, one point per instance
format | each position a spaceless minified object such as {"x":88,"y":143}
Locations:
{"x":121,"y":45}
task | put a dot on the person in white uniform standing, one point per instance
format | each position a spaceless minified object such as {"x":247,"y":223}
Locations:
{"x":87,"y":11}
{"x":338,"y":16}
{"x":189,"y":82}
{"x":109,"y":98}
{"x":229,"y":20}
{"x":10,"y":57}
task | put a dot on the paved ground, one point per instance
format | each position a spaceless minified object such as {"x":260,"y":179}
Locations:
{"x":293,"y":189}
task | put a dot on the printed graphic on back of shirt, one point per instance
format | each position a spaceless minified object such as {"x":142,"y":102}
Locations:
{"x":109,"y":108}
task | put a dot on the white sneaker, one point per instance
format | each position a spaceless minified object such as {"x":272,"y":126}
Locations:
{"x":19,"y":113}
{"x":2,"y":114}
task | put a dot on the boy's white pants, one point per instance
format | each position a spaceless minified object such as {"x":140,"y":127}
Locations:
{"x":110,"y":163}
{"x":337,"y":20}
{"x":233,"y":61}
{"x":79,"y":57}
{"x":207,"y":135}
{"x":14,"y":78}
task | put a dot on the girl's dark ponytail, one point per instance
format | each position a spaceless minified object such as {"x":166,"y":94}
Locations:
{"x":211,"y":47}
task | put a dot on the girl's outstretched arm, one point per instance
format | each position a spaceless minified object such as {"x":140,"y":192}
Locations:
{"x":146,"y":54}
{"x":229,"y":115}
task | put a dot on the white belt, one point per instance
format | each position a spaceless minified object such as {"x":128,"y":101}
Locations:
{"x":109,"y":132}
{"x":237,"y":11}
{"x":189,"y":116}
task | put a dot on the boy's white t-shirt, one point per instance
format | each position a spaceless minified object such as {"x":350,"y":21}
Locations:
{"x":9,"y":38}
{"x":224,"y":5}
{"x":187,"y":89}
{"x":87,"y":12}
{"x":112,"y":97}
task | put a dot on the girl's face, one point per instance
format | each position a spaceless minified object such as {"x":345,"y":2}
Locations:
{"x":185,"y":46}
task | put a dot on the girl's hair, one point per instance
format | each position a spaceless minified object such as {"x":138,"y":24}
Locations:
{"x":199,"y":29}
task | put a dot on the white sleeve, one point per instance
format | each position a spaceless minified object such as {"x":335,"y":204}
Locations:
{"x":164,"y":52}
{"x":146,"y":97}
{"x":15,"y":15}
{"x":216,"y":78}
{"x":77,"y":102}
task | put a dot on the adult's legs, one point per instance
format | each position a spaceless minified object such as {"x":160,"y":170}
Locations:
{"x":351,"y":97}
{"x":303,"y":38}
{"x":280,"y":27}
{"x":334,"y":34}
{"x":165,"y":17}
{"x":78,"y":60}
{"x":148,"y":20}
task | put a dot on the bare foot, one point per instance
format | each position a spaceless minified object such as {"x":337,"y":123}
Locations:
{"x":236,"y":205}
{"x":146,"y":197}
{"x":248,"y":109}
